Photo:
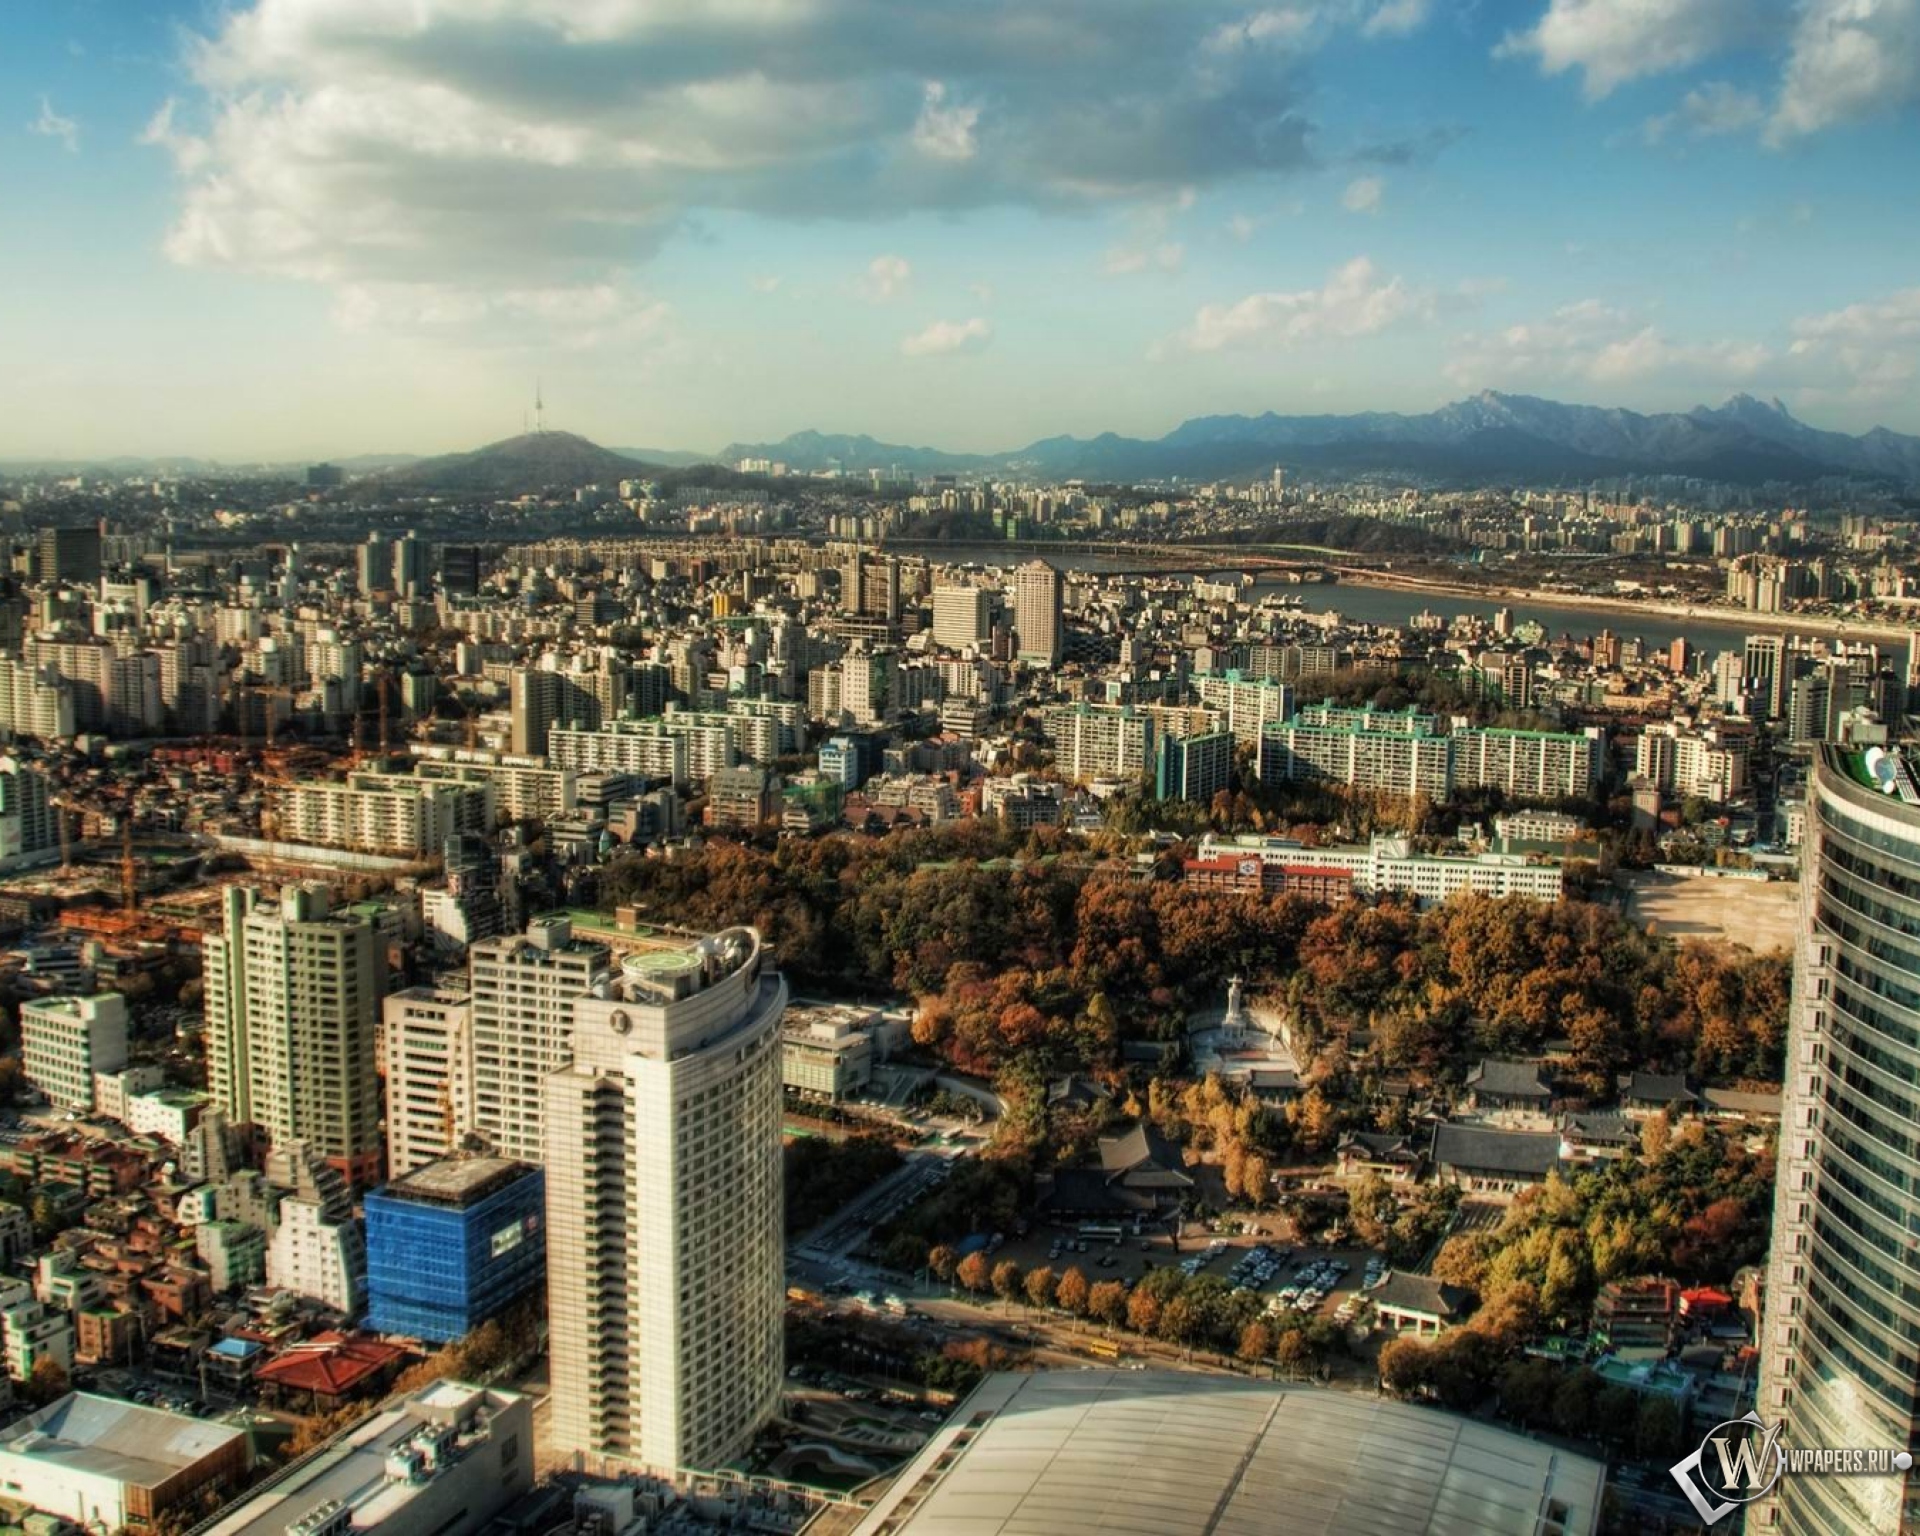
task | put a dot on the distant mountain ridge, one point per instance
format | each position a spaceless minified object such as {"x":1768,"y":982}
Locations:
{"x":1488,"y":436}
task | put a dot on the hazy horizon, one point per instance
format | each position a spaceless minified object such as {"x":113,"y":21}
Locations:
{"x":280,"y":230}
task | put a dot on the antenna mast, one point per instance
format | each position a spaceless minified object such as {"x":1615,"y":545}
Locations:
{"x":539,"y":409}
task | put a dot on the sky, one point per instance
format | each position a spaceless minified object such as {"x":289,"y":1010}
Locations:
{"x":288,"y":229}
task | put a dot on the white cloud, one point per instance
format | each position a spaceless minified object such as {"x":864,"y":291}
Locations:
{"x":1592,"y":342}
{"x":542,"y":144}
{"x":51,"y":125}
{"x":1895,"y":317}
{"x":1647,"y":353}
{"x":1613,"y":41}
{"x":1850,"y":59}
{"x":1865,"y":351}
{"x":1363,"y":195}
{"x":981,"y":291}
{"x":188,"y":151}
{"x":1845,"y":60}
{"x":1355,"y":301}
{"x":1396,"y":18}
{"x":771,"y":283}
{"x":886,"y":278}
{"x":1309,"y":23}
{"x":947,"y":336}
{"x":945,"y":132}
{"x":1708,"y":111}
{"x":1168,"y":256}
{"x":577,"y":317}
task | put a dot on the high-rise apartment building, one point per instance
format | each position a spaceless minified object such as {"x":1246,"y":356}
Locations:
{"x":1037,"y":617}
{"x":1838,"y":1359}
{"x":375,"y":564}
{"x":1768,"y":672}
{"x":68,"y":554}
{"x":665,"y":1279}
{"x":383,"y":813}
{"x":1194,"y":768}
{"x":427,"y":1048}
{"x":1247,"y":704}
{"x":410,"y":578}
{"x":962,"y":617}
{"x":1095,"y":741}
{"x":292,"y":991}
{"x":460,"y":570}
{"x":523,"y":989}
{"x":29,"y":824}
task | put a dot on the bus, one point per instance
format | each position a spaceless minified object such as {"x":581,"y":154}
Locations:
{"x":1106,"y":1349}
{"x":1112,"y":1231}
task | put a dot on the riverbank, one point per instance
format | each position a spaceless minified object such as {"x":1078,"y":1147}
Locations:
{"x":1717,"y":618}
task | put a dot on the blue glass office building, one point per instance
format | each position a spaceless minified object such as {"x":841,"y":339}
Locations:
{"x":453,"y":1244}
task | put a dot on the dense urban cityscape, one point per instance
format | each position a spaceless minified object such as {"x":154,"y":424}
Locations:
{"x":1332,"y":947}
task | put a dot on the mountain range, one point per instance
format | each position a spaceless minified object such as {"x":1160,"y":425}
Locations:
{"x":1490,"y":436}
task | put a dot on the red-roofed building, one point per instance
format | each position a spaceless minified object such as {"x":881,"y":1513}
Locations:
{"x":1237,"y":876}
{"x":329,"y":1369}
{"x":1705,"y":1304}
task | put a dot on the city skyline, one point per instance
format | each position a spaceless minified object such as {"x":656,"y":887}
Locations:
{"x":287,"y":230}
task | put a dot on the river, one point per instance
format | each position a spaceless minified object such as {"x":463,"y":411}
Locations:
{"x":1392,"y":605}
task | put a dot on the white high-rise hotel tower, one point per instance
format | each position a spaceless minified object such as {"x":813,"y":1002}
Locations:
{"x":1840,"y":1346}
{"x":665,"y":1264}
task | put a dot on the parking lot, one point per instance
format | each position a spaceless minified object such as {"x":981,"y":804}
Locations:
{"x":1258,"y":1261}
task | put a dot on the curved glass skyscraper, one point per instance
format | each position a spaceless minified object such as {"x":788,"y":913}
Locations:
{"x":1841,"y":1345}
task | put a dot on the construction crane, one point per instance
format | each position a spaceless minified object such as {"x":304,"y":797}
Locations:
{"x":64,"y":807}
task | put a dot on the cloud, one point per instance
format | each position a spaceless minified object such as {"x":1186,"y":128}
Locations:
{"x":548,"y":143}
{"x":1363,"y":195}
{"x":1850,"y":59}
{"x":1613,"y":41}
{"x":51,"y":125}
{"x":188,"y":151}
{"x":1708,"y":111}
{"x":886,"y":279}
{"x":1120,"y":260}
{"x":1355,"y":301}
{"x":576,"y":317}
{"x":1647,"y":353}
{"x":947,"y":336}
{"x":771,"y":283}
{"x":1591,"y":342}
{"x":1845,"y":60}
{"x":1396,"y":18}
{"x":945,"y":132}
{"x":1308,"y":24}
{"x":1865,"y":351}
